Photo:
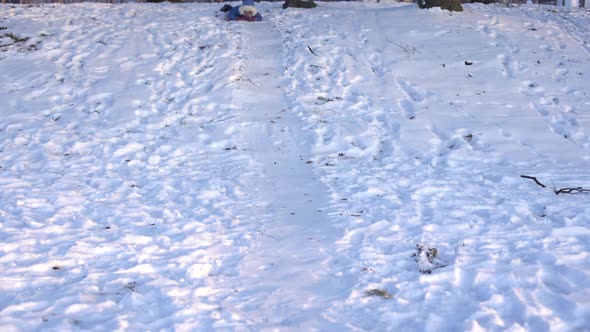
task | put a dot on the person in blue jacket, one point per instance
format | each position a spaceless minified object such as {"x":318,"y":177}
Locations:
{"x":245,"y":12}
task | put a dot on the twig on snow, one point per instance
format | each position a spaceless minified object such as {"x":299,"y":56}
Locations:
{"x":534,"y":179}
{"x":405,"y":47}
{"x":576,"y":190}
{"x":312,"y":52}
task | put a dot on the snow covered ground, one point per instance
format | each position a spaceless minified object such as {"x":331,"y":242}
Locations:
{"x":354,"y":167}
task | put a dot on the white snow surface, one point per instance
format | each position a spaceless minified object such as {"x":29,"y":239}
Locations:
{"x":353,"y":167}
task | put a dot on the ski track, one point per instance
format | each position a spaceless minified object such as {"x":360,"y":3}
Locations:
{"x":291,"y":261}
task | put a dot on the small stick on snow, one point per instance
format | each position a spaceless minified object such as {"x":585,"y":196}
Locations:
{"x":534,"y":179}
{"x":312,"y":52}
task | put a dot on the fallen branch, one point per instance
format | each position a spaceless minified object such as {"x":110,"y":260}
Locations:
{"x":576,"y":190}
{"x":191,"y":44}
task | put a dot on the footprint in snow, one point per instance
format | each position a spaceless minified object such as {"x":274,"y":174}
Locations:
{"x":530,"y":88}
{"x":377,"y":65}
{"x":409,"y":90}
{"x":407,"y":108}
{"x":559,"y":74}
{"x":561,"y":121}
{"x":506,"y":64}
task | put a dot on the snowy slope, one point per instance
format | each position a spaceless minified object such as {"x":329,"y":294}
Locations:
{"x":352,"y":167}
{"x":419,"y":147}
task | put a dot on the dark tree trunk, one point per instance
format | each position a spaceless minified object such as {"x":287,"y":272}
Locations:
{"x":299,"y":4}
{"x":452,"y":5}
